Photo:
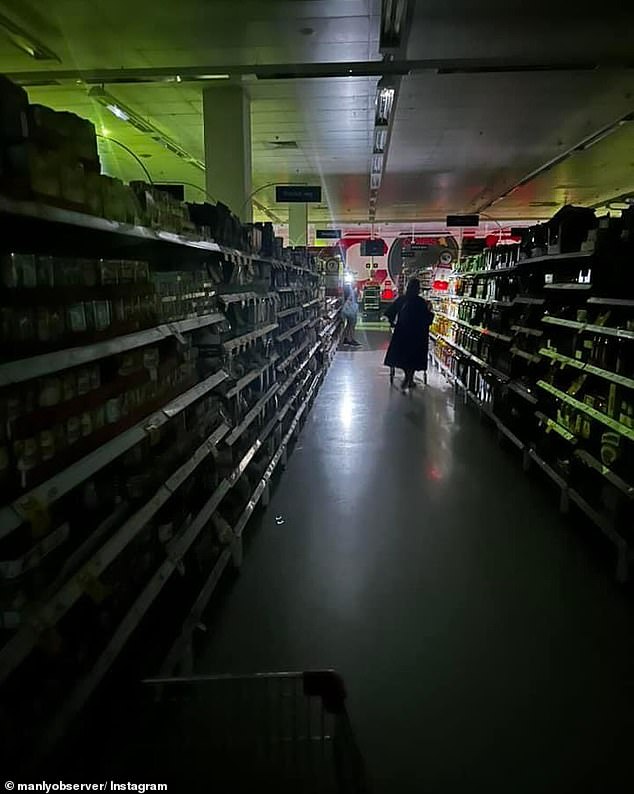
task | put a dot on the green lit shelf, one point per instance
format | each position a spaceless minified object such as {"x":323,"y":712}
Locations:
{"x":529,"y":300}
{"x":532,"y":357}
{"x":557,"y":257}
{"x":585,"y":366}
{"x":618,"y":427}
{"x":605,"y":330}
{"x":618,"y":482}
{"x":625,"y":302}
{"x":523,"y":392}
{"x":499,"y":271}
{"x":568,"y":285}
{"x":478,"y":328}
{"x":523,"y":329}
{"x":559,"y":429}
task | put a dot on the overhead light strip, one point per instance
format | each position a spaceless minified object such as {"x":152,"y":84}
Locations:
{"x":25,"y":42}
{"x":129,"y":116}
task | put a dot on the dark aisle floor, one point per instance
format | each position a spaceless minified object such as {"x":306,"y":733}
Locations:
{"x":484,"y":644}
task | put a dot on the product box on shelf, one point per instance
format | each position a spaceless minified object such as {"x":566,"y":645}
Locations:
{"x":568,"y":229}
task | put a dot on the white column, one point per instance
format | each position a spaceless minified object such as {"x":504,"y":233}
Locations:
{"x":227,"y":135}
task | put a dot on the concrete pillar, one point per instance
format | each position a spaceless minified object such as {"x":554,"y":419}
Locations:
{"x":227,"y":135}
{"x":297,"y":224}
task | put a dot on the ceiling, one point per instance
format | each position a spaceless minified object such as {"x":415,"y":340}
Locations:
{"x":490,"y":93}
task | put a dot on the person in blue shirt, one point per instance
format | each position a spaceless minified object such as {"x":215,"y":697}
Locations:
{"x":350,"y":314}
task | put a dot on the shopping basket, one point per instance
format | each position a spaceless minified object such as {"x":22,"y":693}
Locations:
{"x":281,"y":732}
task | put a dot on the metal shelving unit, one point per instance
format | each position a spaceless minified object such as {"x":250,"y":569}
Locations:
{"x":112,"y":537}
{"x":539,"y":356}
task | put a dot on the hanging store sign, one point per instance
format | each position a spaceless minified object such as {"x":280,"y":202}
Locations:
{"x":328,"y":234}
{"x":463,"y":220}
{"x":298,"y":194}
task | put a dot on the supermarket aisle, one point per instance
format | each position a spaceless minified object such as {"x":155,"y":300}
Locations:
{"x":484,"y":645}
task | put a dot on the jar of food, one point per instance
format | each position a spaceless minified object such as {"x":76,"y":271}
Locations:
{"x":142,"y":272}
{"x":47,"y":445}
{"x":43,"y":321}
{"x":76,"y":318}
{"x":50,"y":392}
{"x":26,"y":453}
{"x":102,"y":315}
{"x":45,"y":271}
{"x":73,"y":430}
{"x":86,"y":424}
{"x":118,"y":310}
{"x":113,"y":410}
{"x":56,"y":322}
{"x":127,"y":272}
{"x":9,"y":276}
{"x":23,"y":325}
{"x":69,"y":385}
{"x":27,"y":270}
{"x":89,"y":272}
{"x":95,"y":377}
{"x":83,"y":381}
{"x":89,"y":312}
{"x":98,"y":417}
{"x":108,"y":272}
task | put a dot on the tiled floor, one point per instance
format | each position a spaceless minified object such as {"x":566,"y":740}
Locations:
{"x":483,"y":641}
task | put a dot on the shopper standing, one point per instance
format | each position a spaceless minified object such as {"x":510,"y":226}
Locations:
{"x":409,"y":347}
{"x":350,"y":313}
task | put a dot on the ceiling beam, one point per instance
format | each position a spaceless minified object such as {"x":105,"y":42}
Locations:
{"x":373,"y":68}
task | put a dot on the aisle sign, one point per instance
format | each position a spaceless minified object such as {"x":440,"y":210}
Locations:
{"x":328,"y":234}
{"x":418,"y":247}
{"x":298,"y":194}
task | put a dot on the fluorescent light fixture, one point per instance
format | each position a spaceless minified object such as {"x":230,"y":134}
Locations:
{"x":25,"y":42}
{"x":116,"y":111}
{"x":598,"y":137}
{"x":377,"y":163}
{"x":213,"y":76}
{"x":384,"y":102}
{"x":380,"y":139}
{"x":375,"y":181}
{"x":124,"y":113}
{"x":392,"y":19}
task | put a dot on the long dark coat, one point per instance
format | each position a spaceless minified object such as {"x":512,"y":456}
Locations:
{"x":409,"y":347}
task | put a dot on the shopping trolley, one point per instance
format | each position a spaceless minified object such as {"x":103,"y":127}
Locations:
{"x":284,"y":732}
{"x":393,"y":371}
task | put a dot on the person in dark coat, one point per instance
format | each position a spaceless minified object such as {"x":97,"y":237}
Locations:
{"x":409,"y":347}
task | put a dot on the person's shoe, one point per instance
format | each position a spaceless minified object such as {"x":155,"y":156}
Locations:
{"x":345,"y":342}
{"x":354,"y":343}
